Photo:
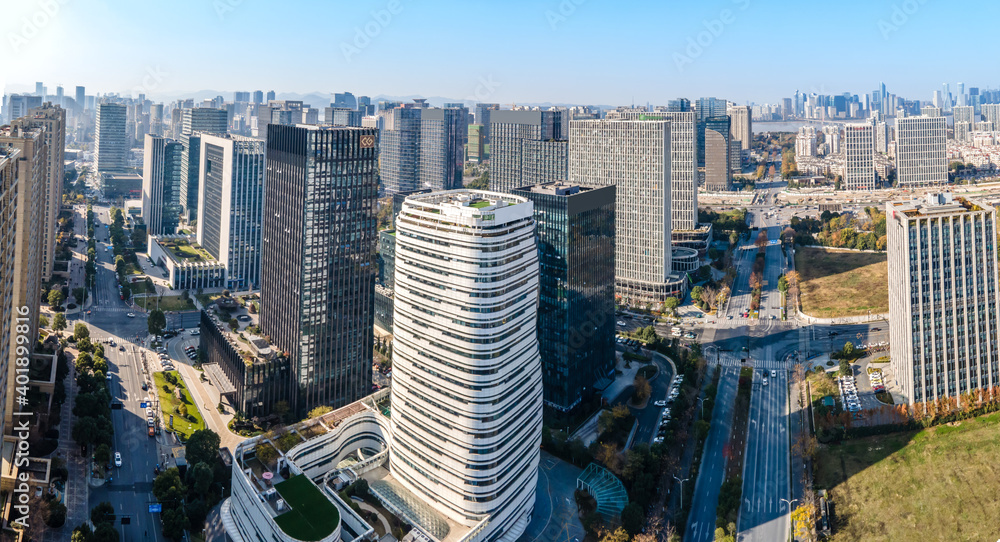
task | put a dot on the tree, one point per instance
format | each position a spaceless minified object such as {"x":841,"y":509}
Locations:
{"x":319,"y":411}
{"x":156,"y":322}
{"x":266,"y":453}
{"x":234,"y":324}
{"x":55,"y":514}
{"x":59,"y":322}
{"x":105,"y":533}
{"x":103,"y":513}
{"x":120,"y":266}
{"x":102,"y":454}
{"x":83,"y":533}
{"x":81,"y":331}
{"x":201,"y":476}
{"x":696,"y":293}
{"x":633,"y":518}
{"x":761,"y":241}
{"x":175,"y":522}
{"x":618,"y":535}
{"x":84,"y":431}
{"x":848,"y":349}
{"x":56,"y":298}
{"x":671,"y":304}
{"x":203,"y":447}
{"x":43,"y":321}
{"x":642,"y":389}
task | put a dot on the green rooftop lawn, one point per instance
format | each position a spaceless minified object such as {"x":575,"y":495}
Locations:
{"x":312,"y":515}
{"x":480,"y":204}
{"x":184,"y":250}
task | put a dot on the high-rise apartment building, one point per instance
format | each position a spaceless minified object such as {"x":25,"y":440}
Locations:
{"x":195,"y":122}
{"x":741,"y":122}
{"x":921,"y":154}
{"x":111,"y":145}
{"x":9,"y":171}
{"x":230,"y":205}
{"x":52,"y":121}
{"x":718,"y":153}
{"x":859,"y":156}
{"x":635,"y":157}
{"x":81,"y":98}
{"x":317,"y":258}
{"x":991,"y":113}
{"x":943,"y":315}
{"x":156,"y":119}
{"x":270,"y":96}
{"x":18,"y":105}
{"x":467,"y":382}
{"x":930,"y":111}
{"x":161,"y":184}
{"x":575,"y":226}
{"x":475,"y":151}
{"x":527,"y":147}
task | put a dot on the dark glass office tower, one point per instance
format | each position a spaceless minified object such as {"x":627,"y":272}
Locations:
{"x":575,"y":226}
{"x":318,"y":258}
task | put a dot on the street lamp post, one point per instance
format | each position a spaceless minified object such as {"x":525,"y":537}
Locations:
{"x":682,"y":488}
{"x":789,"y":503}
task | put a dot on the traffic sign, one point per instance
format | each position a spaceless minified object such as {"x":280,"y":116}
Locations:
{"x":155,"y":508}
{"x":142,"y":405}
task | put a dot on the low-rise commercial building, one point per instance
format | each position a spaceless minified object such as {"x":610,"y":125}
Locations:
{"x":189,"y":266}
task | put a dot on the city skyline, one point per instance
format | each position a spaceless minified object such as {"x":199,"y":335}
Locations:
{"x":705,"y":43}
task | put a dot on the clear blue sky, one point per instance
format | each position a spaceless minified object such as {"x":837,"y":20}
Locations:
{"x":574,"y":51}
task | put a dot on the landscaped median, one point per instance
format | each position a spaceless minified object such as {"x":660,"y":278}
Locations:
{"x":312,"y":516}
{"x":731,"y":493}
{"x":187,"y":418}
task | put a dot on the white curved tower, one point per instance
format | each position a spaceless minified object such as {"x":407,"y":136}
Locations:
{"x":467,"y":380}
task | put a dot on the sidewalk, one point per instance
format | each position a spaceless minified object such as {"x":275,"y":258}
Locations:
{"x":76,"y":495}
{"x":842,"y":320}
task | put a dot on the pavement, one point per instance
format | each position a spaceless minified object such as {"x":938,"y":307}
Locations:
{"x":555,"y":517}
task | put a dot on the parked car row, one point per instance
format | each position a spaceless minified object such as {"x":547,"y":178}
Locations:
{"x":667,"y":415}
{"x":849,"y":393}
{"x":876,"y":379}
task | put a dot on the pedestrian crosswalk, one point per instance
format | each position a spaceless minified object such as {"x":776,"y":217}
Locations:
{"x":733,"y":360}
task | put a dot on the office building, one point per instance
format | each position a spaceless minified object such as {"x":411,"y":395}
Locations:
{"x":81,"y":98}
{"x":161,"y":184}
{"x":341,"y":116}
{"x":423,"y":147}
{"x":575,"y":227}
{"x":741,"y":123}
{"x":921,"y":154}
{"x":683,"y":172}
{"x":483,"y":118}
{"x":344,"y":100}
{"x":270,"y":96}
{"x":859,"y":156}
{"x":475,"y":151}
{"x":707,"y":108}
{"x":195,"y":122}
{"x":679,"y":105}
{"x":930,"y":111}
{"x":635,"y":157}
{"x":882,"y":137}
{"x":317,"y":259}
{"x":942,"y":297}
{"x":466,"y":370}
{"x":52,"y":121}
{"x":111,"y":145}
{"x":718,"y":151}
{"x":258,"y":97}
{"x":386,"y":260}
{"x":230,"y":205}
{"x":18,"y":105}
{"x":526,"y":147}
{"x":241,"y":96}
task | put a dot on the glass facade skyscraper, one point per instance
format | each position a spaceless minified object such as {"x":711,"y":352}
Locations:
{"x":161,"y":184}
{"x":527,"y":147}
{"x":575,"y":227}
{"x":318,"y":258}
{"x":194,"y":122}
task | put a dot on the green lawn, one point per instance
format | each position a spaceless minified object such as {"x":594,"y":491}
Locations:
{"x":166,"y":303}
{"x":184,"y":250}
{"x":940,"y":482}
{"x":169,"y":403}
{"x":312,"y":515}
{"x":142,"y":288}
{"x":837,"y":283}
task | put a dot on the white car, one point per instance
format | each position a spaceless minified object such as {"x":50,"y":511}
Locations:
{"x":765,"y":380}
{"x":118,"y":459}
{"x":660,"y":403}
{"x":774,"y":374}
{"x":131,"y":315}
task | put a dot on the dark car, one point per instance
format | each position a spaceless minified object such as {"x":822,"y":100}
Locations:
{"x":832,"y":333}
{"x":876,"y":329}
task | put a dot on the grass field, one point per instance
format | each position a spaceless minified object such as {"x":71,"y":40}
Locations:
{"x":837,"y":283}
{"x":169,"y":403}
{"x":167,"y":303}
{"x":940,"y":482}
{"x":312,"y":517}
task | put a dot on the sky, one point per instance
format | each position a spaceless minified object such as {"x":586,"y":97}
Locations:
{"x":516,"y":51}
